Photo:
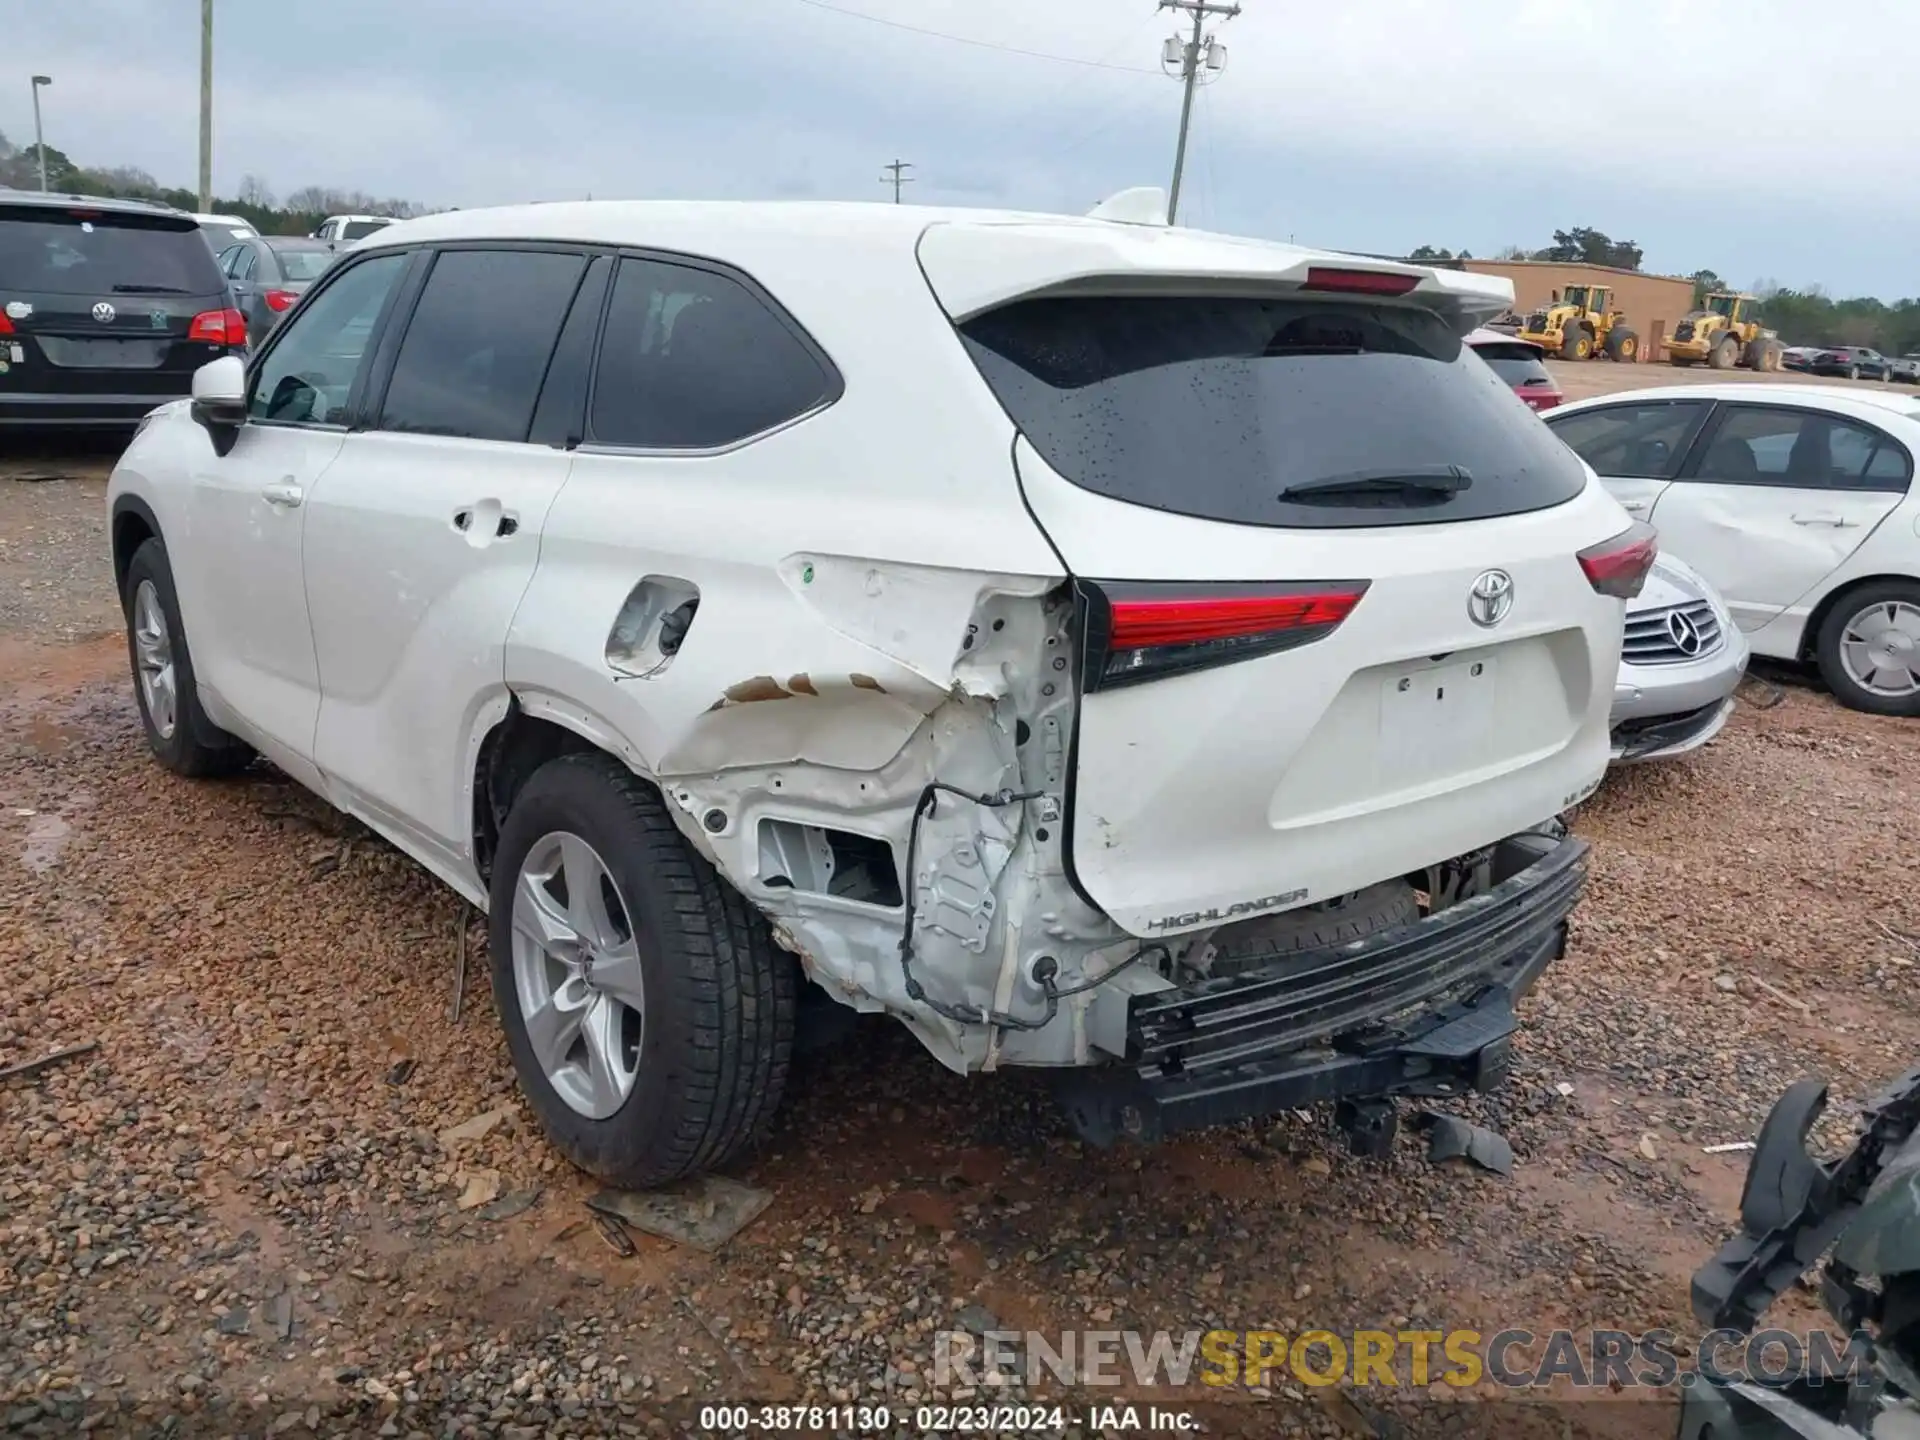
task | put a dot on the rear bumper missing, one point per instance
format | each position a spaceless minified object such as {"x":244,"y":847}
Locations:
{"x":1426,"y":1010}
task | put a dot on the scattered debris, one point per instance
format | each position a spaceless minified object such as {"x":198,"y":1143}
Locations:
{"x":514,"y":1202}
{"x":977,"y":1319}
{"x":1769,"y":693}
{"x":459,"y":964}
{"x":1726,"y":1149}
{"x":478,"y":1187}
{"x":234,"y":1321}
{"x":1563,"y":1090}
{"x":1648,"y":1148}
{"x":401,"y":1071}
{"x":1782,"y":996}
{"x":1885,"y":929}
{"x":705,"y":1212}
{"x":615,"y":1234}
{"x":1454,"y":1139}
{"x":279,"y":1314}
{"x":569,"y":1230}
{"x":1726,"y":981}
{"x":34,"y":1067}
{"x":478,"y":1128}
{"x":714,"y":1333}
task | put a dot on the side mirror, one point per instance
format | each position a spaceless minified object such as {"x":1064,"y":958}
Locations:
{"x":220,"y":399}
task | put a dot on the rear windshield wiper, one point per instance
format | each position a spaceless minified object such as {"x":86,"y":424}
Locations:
{"x":1438,"y":481}
{"x":150,"y":290}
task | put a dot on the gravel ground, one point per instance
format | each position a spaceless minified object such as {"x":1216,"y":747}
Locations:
{"x":239,"y":1213}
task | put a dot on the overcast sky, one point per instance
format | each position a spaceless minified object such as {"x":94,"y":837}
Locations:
{"x":1767,"y":139}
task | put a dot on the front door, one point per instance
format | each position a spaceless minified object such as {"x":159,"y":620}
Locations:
{"x":1775,"y":499}
{"x":423,"y":536}
{"x":241,"y":593}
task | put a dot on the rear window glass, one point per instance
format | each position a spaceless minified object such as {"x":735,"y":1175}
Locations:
{"x":358,"y":229}
{"x":1217,"y":407}
{"x":304,"y":264}
{"x":1515,"y":364}
{"x":57,"y":252}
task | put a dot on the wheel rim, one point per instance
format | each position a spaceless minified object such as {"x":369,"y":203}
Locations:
{"x":153,"y":659}
{"x":1880,"y":649}
{"x":576,"y":975}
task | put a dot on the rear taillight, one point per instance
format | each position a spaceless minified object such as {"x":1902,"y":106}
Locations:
{"x":219,"y":327}
{"x":1546,"y":402}
{"x":1619,"y":566}
{"x":1358,"y":282}
{"x":6,"y":325}
{"x":1137,"y":632}
{"x":278,"y":300}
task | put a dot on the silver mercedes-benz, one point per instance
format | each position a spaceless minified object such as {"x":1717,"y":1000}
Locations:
{"x":1682,"y":661}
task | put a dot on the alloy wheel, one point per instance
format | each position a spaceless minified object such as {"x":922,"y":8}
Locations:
{"x":1880,"y":649}
{"x":153,"y":652}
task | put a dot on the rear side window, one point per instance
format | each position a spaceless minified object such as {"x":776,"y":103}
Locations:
{"x":1632,"y":442}
{"x":692,"y":359}
{"x":1281,"y":411}
{"x":476,"y":349}
{"x":1515,"y":364}
{"x":1801,"y":450}
{"x":94,"y":252}
{"x":303,"y":264}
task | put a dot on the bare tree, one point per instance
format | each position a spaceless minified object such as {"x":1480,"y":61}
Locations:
{"x":255,"y":191}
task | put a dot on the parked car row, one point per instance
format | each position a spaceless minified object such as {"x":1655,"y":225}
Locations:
{"x":1067,"y":638}
{"x":1853,"y":362}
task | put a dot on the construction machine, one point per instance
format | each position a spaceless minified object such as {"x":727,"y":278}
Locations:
{"x":1581,"y":325}
{"x":1726,"y":332}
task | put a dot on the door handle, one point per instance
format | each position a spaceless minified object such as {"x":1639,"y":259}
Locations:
{"x":287,"y":497}
{"x":1838,"y":522}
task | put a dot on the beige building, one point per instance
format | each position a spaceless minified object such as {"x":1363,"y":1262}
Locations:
{"x":1654,"y":304}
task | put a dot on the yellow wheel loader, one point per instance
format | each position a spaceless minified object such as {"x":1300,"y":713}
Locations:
{"x":1725,"y":333}
{"x":1581,"y":325}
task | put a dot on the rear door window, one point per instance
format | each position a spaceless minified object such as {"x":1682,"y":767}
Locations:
{"x":1642,"y":441}
{"x":1269,"y":411}
{"x":477,"y":346}
{"x":692,"y":359}
{"x":50,"y":251}
{"x":1801,"y":450}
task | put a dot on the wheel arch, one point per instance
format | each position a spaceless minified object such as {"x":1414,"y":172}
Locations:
{"x":1828,"y":603}
{"x":131,"y":523}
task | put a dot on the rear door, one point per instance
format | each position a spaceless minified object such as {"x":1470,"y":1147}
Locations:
{"x":1635,"y":447}
{"x":422,"y":536}
{"x":1336,"y":625}
{"x":103,"y":305}
{"x":1776,"y":498}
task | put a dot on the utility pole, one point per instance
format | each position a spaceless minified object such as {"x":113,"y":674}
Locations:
{"x":1190,"y":54}
{"x":39,"y":138}
{"x":895,"y":178}
{"x":206,"y":106}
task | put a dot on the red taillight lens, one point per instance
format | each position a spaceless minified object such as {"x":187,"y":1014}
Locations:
{"x":1546,"y":402}
{"x":6,"y":325}
{"x":219,"y":327}
{"x":1358,"y":282}
{"x":1137,"y":632}
{"x":1619,"y":566}
{"x":278,"y":300}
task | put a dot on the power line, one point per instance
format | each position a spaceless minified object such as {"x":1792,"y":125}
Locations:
{"x":969,"y":40}
{"x":895,"y":178}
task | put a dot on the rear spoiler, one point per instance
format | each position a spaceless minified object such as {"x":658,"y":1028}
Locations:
{"x":976,"y":267}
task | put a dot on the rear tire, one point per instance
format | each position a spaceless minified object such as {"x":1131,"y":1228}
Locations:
{"x":706,"y":1059}
{"x":1880,"y":621}
{"x":1724,"y":354}
{"x":179,"y":733}
{"x":1623,"y":345}
{"x":1385,"y":906}
{"x":1853,"y":372}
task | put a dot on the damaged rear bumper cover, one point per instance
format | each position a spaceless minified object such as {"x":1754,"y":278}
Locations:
{"x":1424,"y":1010}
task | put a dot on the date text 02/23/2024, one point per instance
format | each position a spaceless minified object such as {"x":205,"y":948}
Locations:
{"x":942,"y":1419}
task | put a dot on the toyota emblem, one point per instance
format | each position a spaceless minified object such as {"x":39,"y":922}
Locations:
{"x":1489,"y":598}
{"x":1684,"y":633}
{"x":104,"y":313}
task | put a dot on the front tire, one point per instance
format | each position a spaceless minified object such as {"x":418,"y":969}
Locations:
{"x":1724,"y":354}
{"x":179,"y":733}
{"x":649,"y":1015}
{"x":1868,"y":649}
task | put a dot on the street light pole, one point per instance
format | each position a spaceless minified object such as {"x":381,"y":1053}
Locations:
{"x":39,"y":137}
{"x":206,"y":106}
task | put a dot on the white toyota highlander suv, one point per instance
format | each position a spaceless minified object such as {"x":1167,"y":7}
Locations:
{"x":1149,"y":654}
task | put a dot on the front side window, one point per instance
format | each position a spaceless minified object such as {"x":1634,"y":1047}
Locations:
{"x":308,"y":375}
{"x":692,"y":359}
{"x":477,"y":346}
{"x":1632,"y":442}
{"x":1801,"y":450}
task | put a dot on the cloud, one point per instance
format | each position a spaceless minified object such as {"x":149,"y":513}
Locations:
{"x":1681,"y":124}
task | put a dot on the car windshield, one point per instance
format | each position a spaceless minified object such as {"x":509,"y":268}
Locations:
{"x":1576,"y":295}
{"x":1269,"y":411}
{"x":1720,"y":304}
{"x":303,"y":264}
{"x":95,"y":252}
{"x":1515,"y":364}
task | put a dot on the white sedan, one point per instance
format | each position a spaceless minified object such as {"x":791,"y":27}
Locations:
{"x":1796,"y":501}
